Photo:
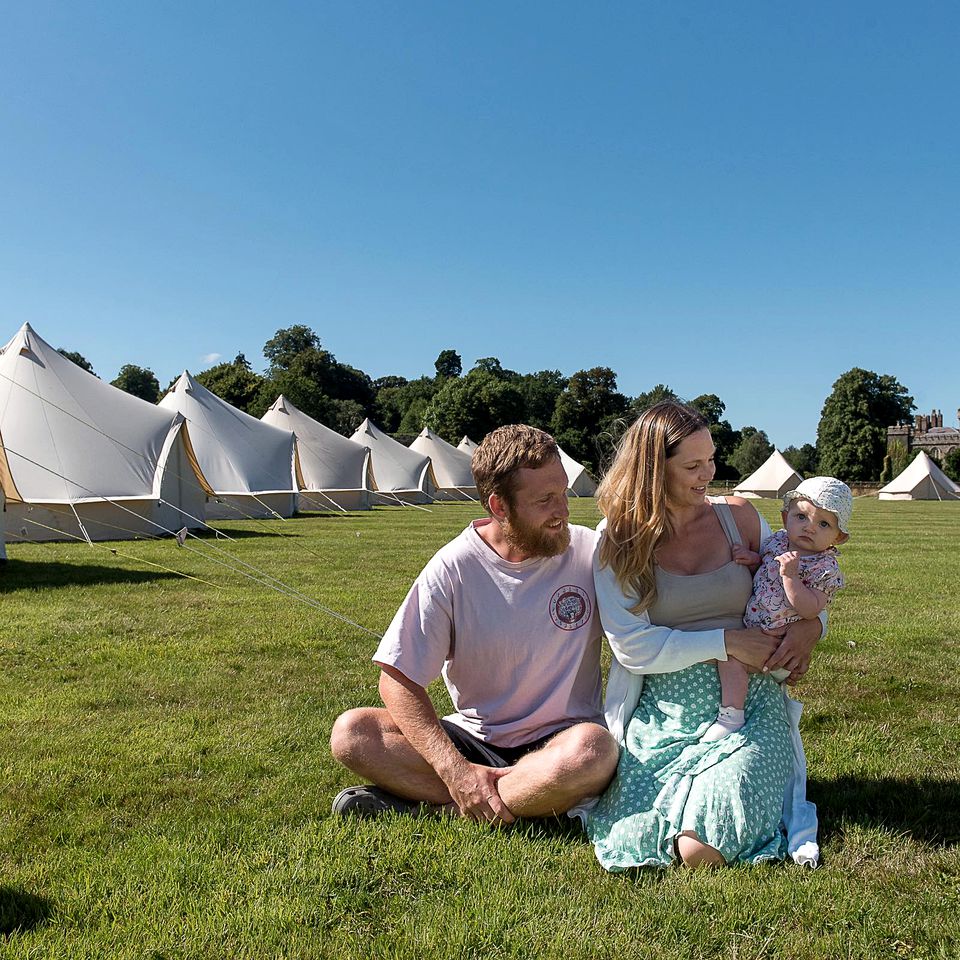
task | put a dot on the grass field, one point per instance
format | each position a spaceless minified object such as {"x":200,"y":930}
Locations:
{"x":166,"y":777}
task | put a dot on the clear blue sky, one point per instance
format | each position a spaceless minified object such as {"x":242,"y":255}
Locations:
{"x":745,"y":199}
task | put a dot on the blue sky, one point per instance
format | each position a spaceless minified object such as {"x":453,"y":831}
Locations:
{"x":745,"y":199}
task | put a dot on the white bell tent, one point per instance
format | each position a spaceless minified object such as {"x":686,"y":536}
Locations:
{"x":771,"y":480}
{"x":334,"y":471}
{"x":467,"y":445}
{"x":579,"y":482}
{"x":451,"y":466}
{"x":249,"y":464}
{"x":922,"y":479}
{"x":402,"y":474}
{"x":80,"y":458}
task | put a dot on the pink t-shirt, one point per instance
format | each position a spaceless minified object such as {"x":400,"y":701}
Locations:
{"x":768,"y":607}
{"x":517,"y":644}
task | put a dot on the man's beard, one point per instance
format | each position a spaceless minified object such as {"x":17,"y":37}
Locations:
{"x":534,"y":541}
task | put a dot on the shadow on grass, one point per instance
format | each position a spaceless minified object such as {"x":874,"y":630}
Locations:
{"x":923,"y":807}
{"x":30,"y":574}
{"x":21,"y":911}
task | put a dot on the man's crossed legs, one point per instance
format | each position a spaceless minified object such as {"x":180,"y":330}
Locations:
{"x":542,"y":779}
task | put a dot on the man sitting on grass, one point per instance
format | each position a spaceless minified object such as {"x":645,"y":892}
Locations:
{"x":506,"y":612}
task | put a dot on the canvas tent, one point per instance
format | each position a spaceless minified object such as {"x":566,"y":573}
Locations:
{"x":467,"y":445}
{"x":451,"y":466}
{"x":771,"y":480}
{"x":579,"y":482}
{"x":401,"y":473}
{"x":79,"y":457}
{"x":334,"y":471}
{"x":249,"y":464}
{"x":921,"y":480}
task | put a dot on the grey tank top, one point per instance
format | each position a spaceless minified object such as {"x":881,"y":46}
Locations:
{"x":705,"y":601}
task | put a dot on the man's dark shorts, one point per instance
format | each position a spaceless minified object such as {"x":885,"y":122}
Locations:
{"x":486,"y":754}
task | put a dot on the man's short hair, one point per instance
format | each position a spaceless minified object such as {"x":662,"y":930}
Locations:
{"x":497,"y":461}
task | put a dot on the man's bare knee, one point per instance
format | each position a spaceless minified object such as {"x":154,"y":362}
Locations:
{"x":592,"y":748}
{"x":352,"y":734}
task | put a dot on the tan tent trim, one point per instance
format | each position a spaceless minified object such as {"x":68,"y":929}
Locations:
{"x":9,"y":488}
{"x":192,"y":459}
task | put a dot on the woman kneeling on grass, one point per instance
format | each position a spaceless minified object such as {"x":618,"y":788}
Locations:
{"x":671,"y":599}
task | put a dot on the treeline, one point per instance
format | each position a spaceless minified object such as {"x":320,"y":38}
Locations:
{"x":585,"y":412}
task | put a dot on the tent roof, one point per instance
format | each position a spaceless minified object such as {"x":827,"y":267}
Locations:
{"x":69,"y":436}
{"x":467,"y":445}
{"x":451,"y":466}
{"x":395,"y":466}
{"x":238,"y":454}
{"x":773,"y":478}
{"x":911,"y":479}
{"x":328,"y":461}
{"x":578,"y":480}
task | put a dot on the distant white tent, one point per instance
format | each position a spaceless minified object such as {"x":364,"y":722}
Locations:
{"x":467,"y":445}
{"x":451,"y":466}
{"x":79,"y":457}
{"x":400,"y":473}
{"x":579,"y":482}
{"x":249,"y":464}
{"x":771,"y":480}
{"x":334,"y":470}
{"x":921,"y":480}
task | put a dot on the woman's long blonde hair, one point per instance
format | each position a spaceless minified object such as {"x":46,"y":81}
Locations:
{"x":633,"y":496}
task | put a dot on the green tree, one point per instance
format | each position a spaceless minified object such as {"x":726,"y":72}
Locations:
{"x":448,"y":364}
{"x":752,"y":450}
{"x":235,"y":382}
{"x":951,"y":464}
{"x":643,"y":401}
{"x":474,"y":405}
{"x":852,"y":435}
{"x":312,"y":377}
{"x":802,"y":459}
{"x":78,"y":358}
{"x":586,"y":411}
{"x":139,"y":381}
{"x":540,"y":392}
{"x":725,"y":438}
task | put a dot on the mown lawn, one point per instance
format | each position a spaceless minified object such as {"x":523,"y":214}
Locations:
{"x":166,"y":777}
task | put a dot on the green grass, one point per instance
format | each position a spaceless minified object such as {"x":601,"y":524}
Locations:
{"x":166,"y":777}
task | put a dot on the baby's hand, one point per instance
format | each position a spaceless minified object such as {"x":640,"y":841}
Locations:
{"x":744,"y":556}
{"x":789,"y":563}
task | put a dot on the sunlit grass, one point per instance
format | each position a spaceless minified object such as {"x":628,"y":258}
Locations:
{"x":166,"y":778}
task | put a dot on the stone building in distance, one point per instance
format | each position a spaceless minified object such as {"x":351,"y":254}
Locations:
{"x":926,"y":433}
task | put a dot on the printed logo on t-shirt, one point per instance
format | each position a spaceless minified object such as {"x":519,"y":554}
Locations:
{"x":570,"y":607}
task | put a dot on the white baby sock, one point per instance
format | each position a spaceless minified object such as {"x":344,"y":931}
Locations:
{"x":728,"y":720}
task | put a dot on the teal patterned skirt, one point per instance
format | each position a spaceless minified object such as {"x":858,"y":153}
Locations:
{"x":729,"y":792}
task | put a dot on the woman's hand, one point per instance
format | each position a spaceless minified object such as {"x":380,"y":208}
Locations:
{"x":795,"y":649}
{"x":753,"y":648}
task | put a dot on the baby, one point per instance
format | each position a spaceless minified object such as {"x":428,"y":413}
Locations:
{"x":797,"y":577}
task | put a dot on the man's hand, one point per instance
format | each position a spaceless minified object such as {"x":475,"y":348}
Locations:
{"x":473,"y":788}
{"x":795,"y":649}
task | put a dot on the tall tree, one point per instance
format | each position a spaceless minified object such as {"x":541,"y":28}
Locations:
{"x":448,"y":364}
{"x":852,"y":435}
{"x":78,"y":358}
{"x":752,"y":450}
{"x":643,"y":401}
{"x":895,"y":462}
{"x":139,"y":381}
{"x":725,"y":438}
{"x":474,"y":405}
{"x":586,"y":412}
{"x":235,"y":382}
{"x":802,"y":459}
{"x":540,"y":392}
